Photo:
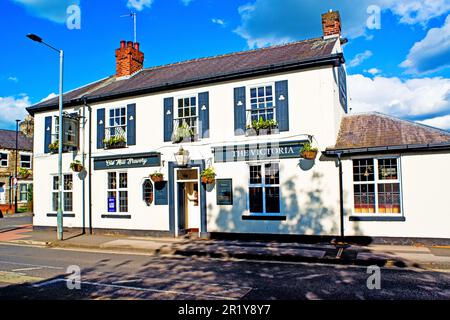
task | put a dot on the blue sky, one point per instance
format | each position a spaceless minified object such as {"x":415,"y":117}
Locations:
{"x":400,"y":68}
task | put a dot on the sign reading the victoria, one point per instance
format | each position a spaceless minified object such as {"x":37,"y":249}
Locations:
{"x":128,"y":161}
{"x":259,"y":151}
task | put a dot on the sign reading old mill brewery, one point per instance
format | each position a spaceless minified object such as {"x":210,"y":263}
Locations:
{"x":128,"y":161}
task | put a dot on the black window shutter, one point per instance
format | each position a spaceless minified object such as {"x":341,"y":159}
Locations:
{"x":47,"y":133}
{"x":168,"y":118}
{"x":161,"y":193}
{"x":203,"y":104}
{"x":131,"y":124}
{"x":100,"y":127}
{"x":239,"y":111}
{"x":282,"y":105}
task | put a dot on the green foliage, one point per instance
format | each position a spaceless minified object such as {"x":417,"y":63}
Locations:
{"x":208,"y":173}
{"x":54,"y":146}
{"x":75,"y":163}
{"x":307,"y":147}
{"x":182,"y":132}
{"x":156,"y":174}
{"x":24,"y":172}
{"x":263,"y":124}
{"x":114,"y":141}
{"x":30,"y":193}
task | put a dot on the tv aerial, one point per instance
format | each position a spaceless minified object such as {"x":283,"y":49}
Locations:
{"x":133,"y":15}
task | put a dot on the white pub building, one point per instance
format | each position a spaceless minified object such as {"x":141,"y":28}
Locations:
{"x":217,"y":147}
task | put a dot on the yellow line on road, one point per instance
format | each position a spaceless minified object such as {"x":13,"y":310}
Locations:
{"x":17,"y":278}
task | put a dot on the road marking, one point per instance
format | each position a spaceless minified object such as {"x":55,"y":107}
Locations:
{"x":27,"y":269}
{"x":30,"y":265}
{"x":46,"y":283}
{"x":16,"y":278}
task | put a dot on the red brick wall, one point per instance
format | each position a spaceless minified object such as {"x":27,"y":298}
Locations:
{"x":128,"y":59}
{"x":331,"y":23}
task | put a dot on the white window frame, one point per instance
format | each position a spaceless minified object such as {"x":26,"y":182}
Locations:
{"x":21,"y":162}
{"x":56,"y":191}
{"x":118,"y":189}
{"x":263,"y":185}
{"x":55,"y":131}
{"x":19,"y":192}
{"x":377,"y":181}
{"x":248,"y":109}
{"x":108,"y":120}
{"x":7,"y":159}
{"x":176,"y":118}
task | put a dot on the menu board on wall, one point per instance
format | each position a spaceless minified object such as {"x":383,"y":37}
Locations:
{"x":224,"y":191}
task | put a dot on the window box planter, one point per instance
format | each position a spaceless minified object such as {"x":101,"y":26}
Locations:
{"x":183,"y":134}
{"x":208,"y":176}
{"x":262,"y":127}
{"x":157,"y":177}
{"x":308,"y":152}
{"x":76,"y":166}
{"x":115,"y":143}
{"x":53,"y":147}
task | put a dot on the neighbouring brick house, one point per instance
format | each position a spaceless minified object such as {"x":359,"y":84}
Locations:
{"x":8,"y":165}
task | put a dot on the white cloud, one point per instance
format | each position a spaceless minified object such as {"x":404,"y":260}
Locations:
{"x":218,"y":21}
{"x":432,"y":53}
{"x":373,"y":71}
{"x":359,"y":58}
{"x":186,"y":2}
{"x":139,"y":5}
{"x":266,"y":22}
{"x":13,"y":108}
{"x":50,"y":96}
{"x":13,"y":79}
{"x":53,"y":10}
{"x":417,"y":11}
{"x":442,"y":122}
{"x":415,"y":99}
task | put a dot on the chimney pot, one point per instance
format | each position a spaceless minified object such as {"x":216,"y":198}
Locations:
{"x":122,"y":44}
{"x":136,"y":46}
{"x":129,"y":43}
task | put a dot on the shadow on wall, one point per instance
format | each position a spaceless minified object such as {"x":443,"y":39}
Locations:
{"x":311,"y":218}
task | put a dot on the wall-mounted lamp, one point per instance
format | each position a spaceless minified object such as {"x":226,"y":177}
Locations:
{"x":182,"y":157}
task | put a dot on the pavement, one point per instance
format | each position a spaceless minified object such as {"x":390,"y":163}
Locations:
{"x":395,"y":256}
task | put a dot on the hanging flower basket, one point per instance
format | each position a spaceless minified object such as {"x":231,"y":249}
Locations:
{"x":308,"y":152}
{"x":76,"y":166}
{"x":157,"y":177}
{"x":208,"y":175}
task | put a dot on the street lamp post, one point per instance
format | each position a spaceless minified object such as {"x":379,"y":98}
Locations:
{"x":60,"y":133}
{"x":15,"y":167}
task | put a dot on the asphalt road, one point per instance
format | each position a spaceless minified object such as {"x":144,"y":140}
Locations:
{"x":40,"y":273}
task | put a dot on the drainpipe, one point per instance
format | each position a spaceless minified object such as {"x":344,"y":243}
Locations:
{"x":341,"y":195}
{"x":89,"y":175}
{"x":83,"y":155}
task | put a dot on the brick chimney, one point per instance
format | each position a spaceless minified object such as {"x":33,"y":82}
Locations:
{"x":331,"y":24}
{"x":129,"y":59}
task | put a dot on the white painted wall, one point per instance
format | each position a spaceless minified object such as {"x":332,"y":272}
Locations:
{"x":312,"y":111}
{"x":426,"y":202}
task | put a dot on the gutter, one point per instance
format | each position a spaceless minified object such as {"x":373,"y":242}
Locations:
{"x":335,"y":59}
{"x":404,"y":147}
